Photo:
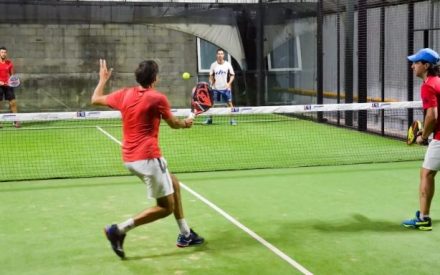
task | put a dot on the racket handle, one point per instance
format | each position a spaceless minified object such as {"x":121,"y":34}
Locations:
{"x":192,"y":116}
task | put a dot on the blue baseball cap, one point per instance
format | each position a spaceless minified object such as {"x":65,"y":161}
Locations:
{"x":427,"y":55}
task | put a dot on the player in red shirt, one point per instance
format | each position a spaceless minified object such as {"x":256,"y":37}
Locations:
{"x":142,"y":108}
{"x":424,"y":66}
{"x":6,"y":92}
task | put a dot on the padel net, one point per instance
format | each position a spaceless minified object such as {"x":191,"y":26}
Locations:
{"x":87,"y":144}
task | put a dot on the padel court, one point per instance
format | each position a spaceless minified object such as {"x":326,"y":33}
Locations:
{"x":332,"y":217}
{"x":330,"y":220}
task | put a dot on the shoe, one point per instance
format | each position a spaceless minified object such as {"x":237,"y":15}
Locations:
{"x":208,"y":121}
{"x":116,"y":239}
{"x":192,"y":239}
{"x":233,"y":122}
{"x":417,"y":223}
{"x":16,"y":124}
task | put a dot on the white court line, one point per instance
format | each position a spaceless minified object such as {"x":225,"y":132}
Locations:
{"x":108,"y":135}
{"x":254,"y":235}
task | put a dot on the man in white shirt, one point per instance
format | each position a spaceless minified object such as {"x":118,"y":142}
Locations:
{"x":221,"y":76}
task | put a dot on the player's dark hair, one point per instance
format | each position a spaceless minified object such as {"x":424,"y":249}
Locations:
{"x":219,"y":49}
{"x":3,"y":48}
{"x":146,"y":73}
{"x":433,"y":70}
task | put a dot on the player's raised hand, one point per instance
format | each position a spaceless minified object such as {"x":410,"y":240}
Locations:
{"x":104,"y":73}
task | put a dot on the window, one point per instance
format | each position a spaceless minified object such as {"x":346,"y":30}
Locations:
{"x":286,"y":57}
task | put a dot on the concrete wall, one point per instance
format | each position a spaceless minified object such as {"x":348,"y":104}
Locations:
{"x":58,"y":64}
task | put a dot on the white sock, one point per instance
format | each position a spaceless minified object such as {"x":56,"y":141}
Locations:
{"x":126,"y":226}
{"x":183,"y":226}
{"x":423,"y":217}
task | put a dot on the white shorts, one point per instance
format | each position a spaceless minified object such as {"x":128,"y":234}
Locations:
{"x":154,"y":173}
{"x":432,"y":156}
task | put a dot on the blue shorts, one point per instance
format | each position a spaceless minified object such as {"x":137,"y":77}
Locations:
{"x":222,"y":95}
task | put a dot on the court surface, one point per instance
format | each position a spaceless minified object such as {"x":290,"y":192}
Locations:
{"x":328,"y":220}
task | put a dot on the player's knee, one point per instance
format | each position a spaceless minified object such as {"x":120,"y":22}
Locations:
{"x":166,"y":205}
{"x":169,"y":210}
{"x":12,"y":103}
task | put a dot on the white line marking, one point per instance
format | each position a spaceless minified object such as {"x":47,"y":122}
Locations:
{"x":254,"y":235}
{"x":108,"y":135}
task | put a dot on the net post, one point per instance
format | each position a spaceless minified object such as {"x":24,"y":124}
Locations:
{"x":382,"y":65}
{"x":410,"y":45}
{"x":349,"y":34}
{"x":362,"y":62}
{"x":319,"y":58}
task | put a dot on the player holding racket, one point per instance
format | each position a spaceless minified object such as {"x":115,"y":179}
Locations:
{"x":425,"y":67}
{"x":221,"y":76}
{"x":6,"y":91}
{"x":142,"y":109}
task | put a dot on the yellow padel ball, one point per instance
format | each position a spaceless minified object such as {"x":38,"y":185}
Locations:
{"x":186,"y":75}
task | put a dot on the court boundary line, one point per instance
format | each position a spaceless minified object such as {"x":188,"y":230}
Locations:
{"x":248,"y":231}
{"x":254,"y":235}
{"x":108,"y":135}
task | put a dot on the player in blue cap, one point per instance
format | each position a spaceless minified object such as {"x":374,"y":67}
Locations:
{"x":424,"y":65}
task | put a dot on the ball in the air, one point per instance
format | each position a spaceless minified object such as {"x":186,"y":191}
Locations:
{"x":186,"y":75}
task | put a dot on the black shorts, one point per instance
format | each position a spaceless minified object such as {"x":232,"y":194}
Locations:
{"x":7,"y":93}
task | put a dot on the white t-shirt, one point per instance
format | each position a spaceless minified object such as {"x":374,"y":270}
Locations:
{"x":220,"y":72}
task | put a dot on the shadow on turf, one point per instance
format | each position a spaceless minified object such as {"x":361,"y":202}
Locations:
{"x":362,"y":223}
{"x":176,"y":252}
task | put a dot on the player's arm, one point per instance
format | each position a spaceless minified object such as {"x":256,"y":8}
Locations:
{"x":176,"y":123}
{"x":98,"y":97}
{"x":12,"y":69}
{"x":430,"y":103}
{"x":231,"y":79}
{"x":211,"y":79}
{"x":211,"y":75}
{"x":429,"y":124}
{"x":231,"y":76}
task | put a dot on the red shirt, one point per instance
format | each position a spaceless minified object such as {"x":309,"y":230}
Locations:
{"x":6,"y":70}
{"x":141,"y":109}
{"x":430,"y":94}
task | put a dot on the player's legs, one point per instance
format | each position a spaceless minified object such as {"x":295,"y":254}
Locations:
{"x":10,"y":96}
{"x":426,"y":190}
{"x":2,"y":95}
{"x":431,"y":165}
{"x":155,"y":175}
{"x":227,"y":97}
{"x":187,"y":236}
{"x":178,"y":208}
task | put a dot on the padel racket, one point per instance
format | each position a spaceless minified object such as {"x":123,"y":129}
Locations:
{"x":202,"y":99}
{"x":14,"y":81}
{"x":414,"y":131}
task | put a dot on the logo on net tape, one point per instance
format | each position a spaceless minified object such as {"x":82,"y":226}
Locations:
{"x":312,"y":107}
{"x":93,"y":114}
{"x":235,"y":110}
{"x":380,"y":105}
{"x":9,"y":117}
